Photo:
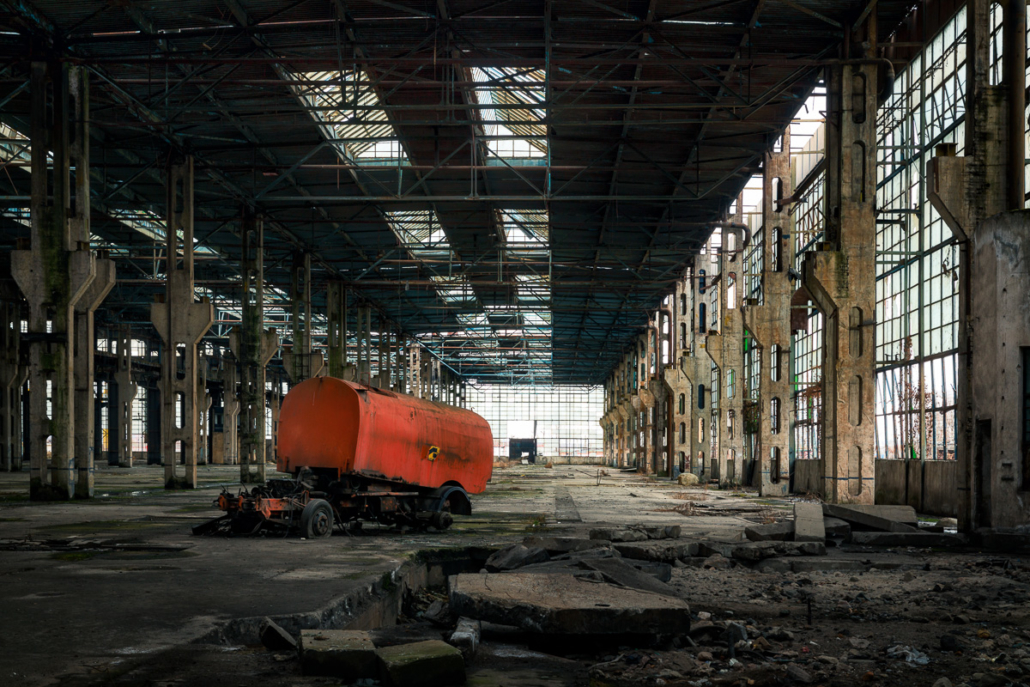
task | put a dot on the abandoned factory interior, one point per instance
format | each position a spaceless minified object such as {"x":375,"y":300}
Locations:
{"x":514,"y":343}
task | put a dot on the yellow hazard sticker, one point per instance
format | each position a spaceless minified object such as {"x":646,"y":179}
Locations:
{"x":432,"y":453}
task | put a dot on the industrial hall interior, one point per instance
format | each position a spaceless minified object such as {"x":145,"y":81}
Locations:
{"x":514,"y":343}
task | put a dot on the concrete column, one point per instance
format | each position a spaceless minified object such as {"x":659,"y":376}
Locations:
{"x":300,"y":361}
{"x":181,"y":321}
{"x":253,"y":346}
{"x":275,"y":403}
{"x":203,"y":415}
{"x":768,"y":320}
{"x":54,"y":274}
{"x":414,"y":358}
{"x":125,"y":390}
{"x":95,"y":293}
{"x":230,"y":413}
{"x":12,"y":378}
{"x":364,"y":345}
{"x":726,"y":349}
{"x":840,"y":277}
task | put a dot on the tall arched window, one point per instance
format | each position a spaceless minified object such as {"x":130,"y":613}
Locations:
{"x":683,"y":403}
{"x":683,"y":432}
{"x":774,"y":416}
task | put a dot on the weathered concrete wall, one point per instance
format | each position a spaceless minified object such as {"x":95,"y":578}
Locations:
{"x":928,"y":486}
{"x":808,"y":477}
{"x":892,"y":481}
{"x":939,"y":480}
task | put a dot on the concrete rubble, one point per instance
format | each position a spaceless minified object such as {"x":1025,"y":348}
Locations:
{"x":562,"y":604}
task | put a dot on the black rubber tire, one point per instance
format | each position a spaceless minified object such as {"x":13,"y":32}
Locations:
{"x":316,"y":521}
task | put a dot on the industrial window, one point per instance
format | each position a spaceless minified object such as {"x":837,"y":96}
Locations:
{"x":774,"y":362}
{"x":700,"y":430}
{"x":917,"y":260}
{"x":731,"y":290}
{"x":731,"y":383}
{"x":683,"y":335}
{"x":701,"y":317}
{"x":563,"y":418}
{"x":683,"y":304}
{"x":701,"y":396}
{"x":683,"y":403}
{"x":683,"y":432}
{"x":731,"y":421}
{"x":774,"y":416}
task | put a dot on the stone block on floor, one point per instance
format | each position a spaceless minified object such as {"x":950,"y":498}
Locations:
{"x":777,"y":531}
{"x":345,"y":654}
{"x":808,"y":522}
{"x":431,"y":663}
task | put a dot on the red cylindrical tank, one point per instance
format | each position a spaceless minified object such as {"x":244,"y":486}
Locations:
{"x":330,"y":423}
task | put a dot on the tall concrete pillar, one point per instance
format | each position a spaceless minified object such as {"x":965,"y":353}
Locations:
{"x":54,"y":274}
{"x":300,"y":361}
{"x":768,"y":320}
{"x":181,"y":321}
{"x":726,"y":349}
{"x":414,"y":374}
{"x":203,"y":414}
{"x":125,"y":389}
{"x":95,"y":293}
{"x":230,"y":413}
{"x":364,"y":345}
{"x":840,"y":278}
{"x":12,"y":378}
{"x":253,"y":346}
{"x":336,"y":317}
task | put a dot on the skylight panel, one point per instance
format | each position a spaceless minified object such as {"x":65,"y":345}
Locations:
{"x":346,"y":112}
{"x":421,"y":233}
{"x":520,"y":95}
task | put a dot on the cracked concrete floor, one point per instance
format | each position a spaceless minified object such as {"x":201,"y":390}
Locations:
{"x":112,"y":591}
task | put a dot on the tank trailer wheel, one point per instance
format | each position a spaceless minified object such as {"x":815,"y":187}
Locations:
{"x":316,"y":521}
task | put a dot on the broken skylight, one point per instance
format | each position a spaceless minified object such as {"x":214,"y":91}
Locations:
{"x":519,"y":95}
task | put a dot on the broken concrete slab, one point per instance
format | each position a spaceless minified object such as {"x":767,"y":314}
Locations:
{"x":776,"y":531}
{"x":514,"y":557}
{"x":757,"y":551}
{"x":808,"y":522}
{"x":431,"y":663}
{"x":662,"y":553}
{"x":661,"y":571}
{"x":883,"y":518}
{"x":806,"y":565}
{"x":635,"y":533}
{"x":565,"y":605}
{"x":835,"y":527}
{"x":346,"y":654}
{"x":712,"y":548}
{"x":916,"y":539}
{"x":275,"y":638}
{"x":562,"y":545}
{"x":466,"y":637}
{"x":618,"y":572}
